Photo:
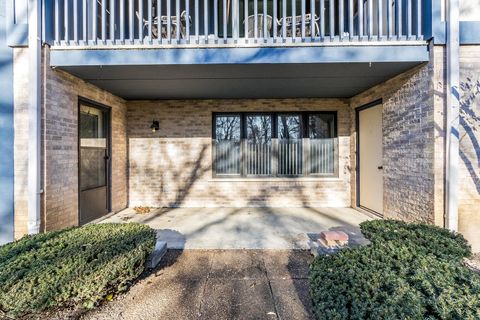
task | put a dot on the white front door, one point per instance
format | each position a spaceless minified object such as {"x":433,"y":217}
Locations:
{"x":371,"y":158}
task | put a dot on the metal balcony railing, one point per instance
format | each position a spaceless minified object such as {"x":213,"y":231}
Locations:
{"x":193,"y":23}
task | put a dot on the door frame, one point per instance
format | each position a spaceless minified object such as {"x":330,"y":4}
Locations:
{"x":90,"y":103}
{"x":357,"y":153}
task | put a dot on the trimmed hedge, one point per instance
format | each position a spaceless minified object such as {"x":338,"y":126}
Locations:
{"x":409,"y":271}
{"x":70,"y":267}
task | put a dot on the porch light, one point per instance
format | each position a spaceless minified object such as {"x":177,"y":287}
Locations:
{"x":155,"y":126}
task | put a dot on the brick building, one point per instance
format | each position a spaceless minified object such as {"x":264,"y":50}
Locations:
{"x":335,"y":110}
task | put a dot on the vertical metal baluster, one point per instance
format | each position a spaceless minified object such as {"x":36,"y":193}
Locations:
{"x":205,"y":19}
{"x":360,"y":19}
{"x":94,"y":19}
{"x":225,"y":20}
{"x":245,"y":18}
{"x":75,"y":21}
{"x":312,"y":18}
{"x":380,"y":19}
{"x":215,"y":17}
{"x":112,"y":21}
{"x":398,"y":4}
{"x":322,"y":19}
{"x":104,"y":20}
{"x":370,"y":18}
{"x":350,"y":19}
{"x":419,"y":19}
{"x":255,"y":19}
{"x":187,"y":22}
{"x":341,"y":13}
{"x":275,"y":22}
{"x":389,"y":19}
{"x":66,"y":21}
{"x":169,"y":21}
{"x":140,"y":21}
{"x":294,"y":19}
{"x":179,"y":23}
{"x":408,"y":11}
{"x":84,"y":22}
{"x":197,"y":20}
{"x":265,"y":29}
{"x":150,"y":20}
{"x":332,"y":19}
{"x":131,"y":27}
{"x":122,"y":21}
{"x":303,"y":18}
{"x":284,"y":16}
{"x":159,"y":21}
{"x":57,"y":22}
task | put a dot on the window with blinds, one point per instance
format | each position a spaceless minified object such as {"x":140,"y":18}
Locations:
{"x":275,"y":144}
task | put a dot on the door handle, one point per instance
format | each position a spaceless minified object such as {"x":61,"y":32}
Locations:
{"x":380,"y":167}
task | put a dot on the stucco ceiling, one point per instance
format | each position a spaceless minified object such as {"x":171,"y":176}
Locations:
{"x":341,"y":80}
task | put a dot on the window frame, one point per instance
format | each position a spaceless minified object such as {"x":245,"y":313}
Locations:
{"x":305,"y":130}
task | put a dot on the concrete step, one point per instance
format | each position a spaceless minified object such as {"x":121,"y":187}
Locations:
{"x":157,"y":254}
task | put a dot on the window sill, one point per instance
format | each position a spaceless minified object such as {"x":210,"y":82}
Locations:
{"x":274,"y":179}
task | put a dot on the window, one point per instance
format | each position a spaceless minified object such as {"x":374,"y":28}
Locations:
{"x":275,"y":144}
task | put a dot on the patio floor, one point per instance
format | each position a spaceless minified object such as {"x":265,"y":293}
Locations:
{"x":244,"y":228}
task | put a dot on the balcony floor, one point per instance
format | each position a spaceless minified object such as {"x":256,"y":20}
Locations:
{"x":244,"y":228}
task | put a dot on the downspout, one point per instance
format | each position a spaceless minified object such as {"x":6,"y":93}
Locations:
{"x":452,"y":115}
{"x":34,"y":115}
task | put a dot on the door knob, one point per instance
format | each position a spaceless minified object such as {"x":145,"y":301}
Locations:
{"x":380,"y":167}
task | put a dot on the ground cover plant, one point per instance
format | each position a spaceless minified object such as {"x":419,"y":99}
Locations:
{"x":77,"y":266}
{"x":409,"y":271}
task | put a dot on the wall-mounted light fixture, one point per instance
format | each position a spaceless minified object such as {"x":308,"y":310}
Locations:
{"x":155,"y":126}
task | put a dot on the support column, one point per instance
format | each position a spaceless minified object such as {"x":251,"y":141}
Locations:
{"x":34,"y":116}
{"x":452,"y":121}
{"x":6,"y":132}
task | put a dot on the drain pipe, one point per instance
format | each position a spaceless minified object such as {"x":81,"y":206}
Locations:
{"x":34,"y":115}
{"x":452,"y":115}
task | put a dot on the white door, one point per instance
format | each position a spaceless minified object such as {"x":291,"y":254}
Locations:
{"x":370,"y":158}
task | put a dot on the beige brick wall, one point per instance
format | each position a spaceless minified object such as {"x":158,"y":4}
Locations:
{"x":469,"y":195}
{"x":408,"y":144}
{"x":172,"y":167}
{"x":60,"y":144}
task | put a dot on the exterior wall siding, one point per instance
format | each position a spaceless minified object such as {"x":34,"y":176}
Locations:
{"x":60,"y":144}
{"x":469,"y":163}
{"x":408,"y":144}
{"x":173,"y":166}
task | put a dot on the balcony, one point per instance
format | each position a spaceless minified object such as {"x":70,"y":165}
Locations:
{"x":231,"y":23}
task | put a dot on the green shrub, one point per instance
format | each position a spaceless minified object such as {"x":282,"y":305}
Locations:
{"x":426,"y":239}
{"x":392,"y":279}
{"x":73,"y":266}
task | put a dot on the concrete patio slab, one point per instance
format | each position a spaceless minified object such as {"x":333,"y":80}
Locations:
{"x":218,"y":284}
{"x":243,"y":228}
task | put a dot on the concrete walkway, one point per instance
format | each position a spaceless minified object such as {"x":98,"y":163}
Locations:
{"x":218,"y":284}
{"x":244,"y":228}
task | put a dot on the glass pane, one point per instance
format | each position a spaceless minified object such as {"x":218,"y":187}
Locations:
{"x":93,"y":148}
{"x":92,"y":167}
{"x":321,"y":128}
{"x":290,"y":145}
{"x":259,"y":145}
{"x":227,"y":144}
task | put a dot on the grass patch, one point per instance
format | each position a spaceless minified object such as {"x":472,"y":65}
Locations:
{"x":75,"y":266}
{"x":409,"y":271}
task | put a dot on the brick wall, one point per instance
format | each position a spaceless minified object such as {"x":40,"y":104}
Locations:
{"x":60,"y":144}
{"x":469,"y":166}
{"x":172,"y":167}
{"x":408,"y":144}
